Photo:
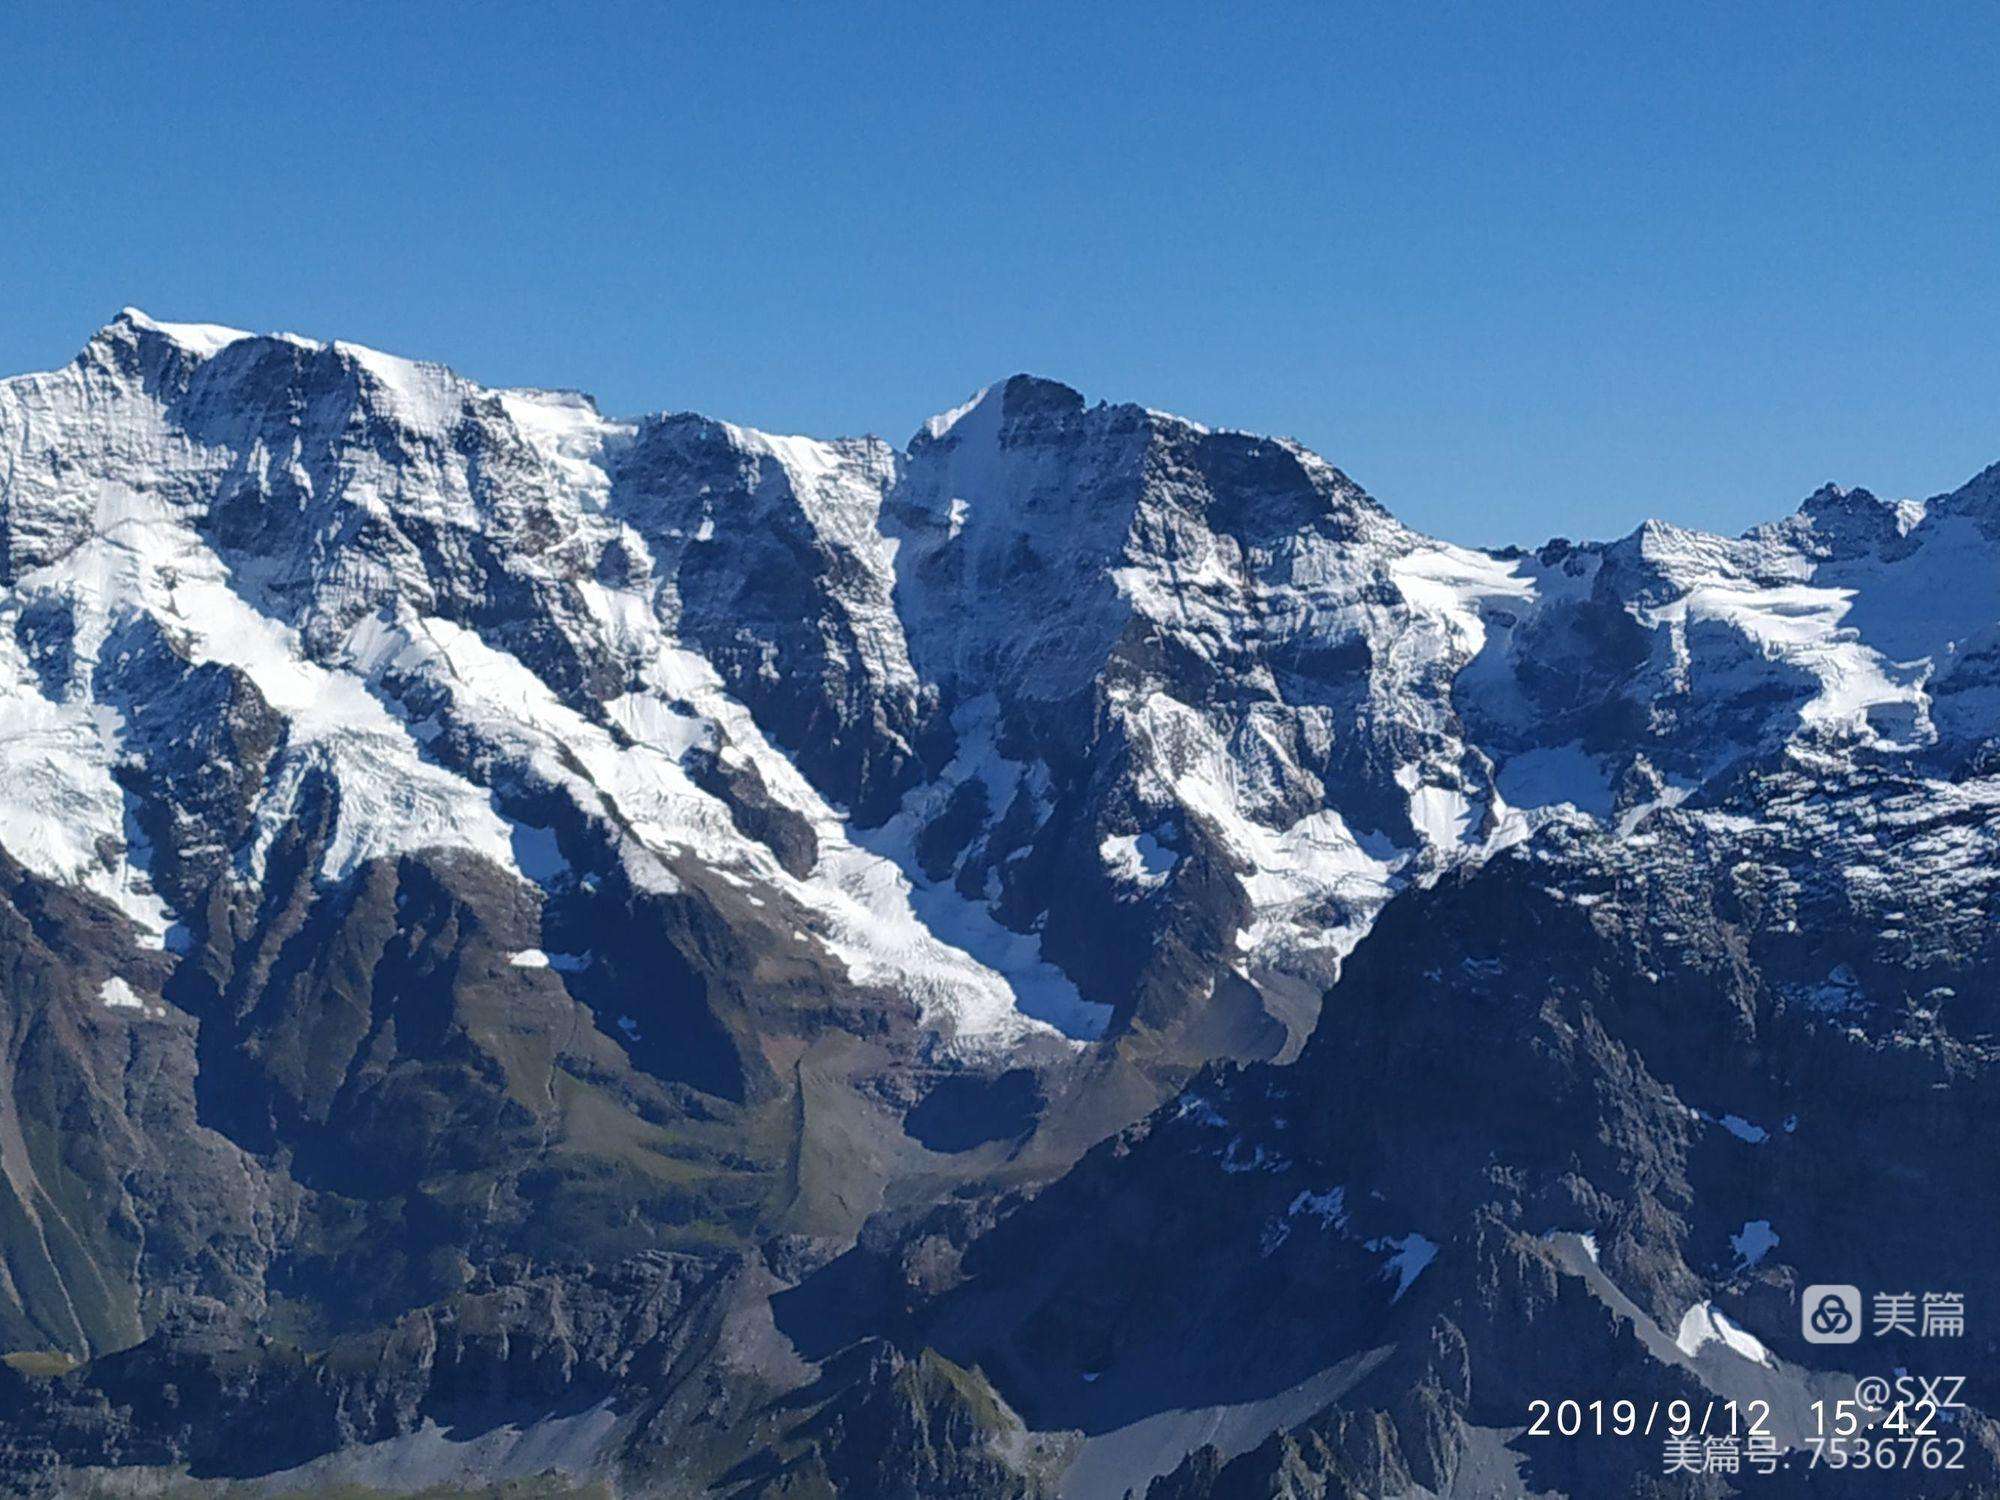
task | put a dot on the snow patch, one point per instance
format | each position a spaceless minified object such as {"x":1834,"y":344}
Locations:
{"x":118,"y":995}
{"x":1442,"y":815}
{"x":567,"y":433}
{"x":1704,"y":1325}
{"x":424,"y":396}
{"x":1312,"y":885}
{"x":937,"y":426}
{"x":1413,"y":1253}
{"x":1457,"y":586}
{"x":204,"y":340}
{"x":1139,"y":859}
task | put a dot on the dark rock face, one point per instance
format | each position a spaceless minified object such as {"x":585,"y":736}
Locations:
{"x":1076,"y":957}
{"x":1632,"y":1041}
{"x":783,"y":588}
{"x":118,"y":1201}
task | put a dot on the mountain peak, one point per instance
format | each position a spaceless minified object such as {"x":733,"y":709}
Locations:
{"x":1012,"y":399}
{"x":1026,"y":395}
{"x":1832,"y":497}
{"x":198,"y":339}
{"x":1854,"y":520}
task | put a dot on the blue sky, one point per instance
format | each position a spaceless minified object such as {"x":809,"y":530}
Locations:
{"x":1521,"y":270}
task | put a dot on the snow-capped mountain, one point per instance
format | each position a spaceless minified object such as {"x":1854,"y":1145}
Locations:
{"x":453,"y":840}
{"x":1046,"y":637}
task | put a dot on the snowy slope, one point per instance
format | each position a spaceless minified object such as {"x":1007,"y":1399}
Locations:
{"x":351,"y":602}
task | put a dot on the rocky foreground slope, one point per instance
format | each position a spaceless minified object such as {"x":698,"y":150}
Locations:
{"x":1075,"y":956}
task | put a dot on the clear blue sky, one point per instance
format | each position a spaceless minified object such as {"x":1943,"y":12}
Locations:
{"x":1520,"y":270}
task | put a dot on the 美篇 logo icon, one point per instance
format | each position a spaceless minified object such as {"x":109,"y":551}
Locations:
{"x":1830,"y":1314}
